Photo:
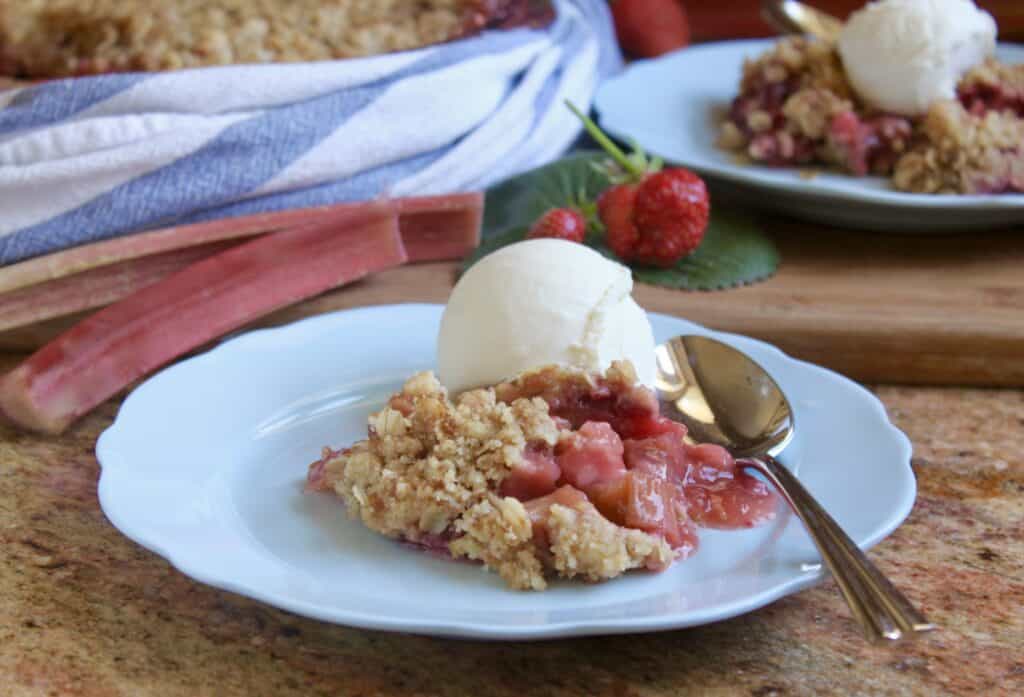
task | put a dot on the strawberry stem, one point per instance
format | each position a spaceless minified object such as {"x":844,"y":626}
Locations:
{"x":605,"y":142}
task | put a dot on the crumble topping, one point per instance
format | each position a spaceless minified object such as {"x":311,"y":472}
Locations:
{"x":556,"y":472}
{"x":54,"y":38}
{"x":430,"y":468}
{"x":427,"y":460}
{"x":993,"y":85}
{"x":962,"y":153}
{"x":498,"y":532}
{"x":796,"y":107}
{"x":584,"y":543}
{"x":802,"y":63}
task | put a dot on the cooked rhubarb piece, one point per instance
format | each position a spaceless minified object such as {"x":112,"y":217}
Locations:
{"x":631,"y":409}
{"x":555,"y":472}
{"x":437,"y":228}
{"x":740,"y":502}
{"x":718,"y":494}
{"x":109,"y":350}
{"x":647,"y":502}
{"x":534,"y":475}
{"x":433,"y":228}
{"x":624,"y":425}
{"x":591,"y":455}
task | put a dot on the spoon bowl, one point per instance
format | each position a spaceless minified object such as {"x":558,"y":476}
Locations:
{"x":724,"y":397}
{"x":701,"y":377}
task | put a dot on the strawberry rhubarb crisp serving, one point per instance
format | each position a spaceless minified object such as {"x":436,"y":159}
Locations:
{"x":539,"y":449}
{"x":910,"y":91}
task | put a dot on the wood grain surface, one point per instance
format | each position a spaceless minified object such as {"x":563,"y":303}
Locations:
{"x":942,"y":310}
{"x":878,"y":308}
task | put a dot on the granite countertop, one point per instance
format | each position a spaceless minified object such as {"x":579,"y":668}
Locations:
{"x":84,"y":611}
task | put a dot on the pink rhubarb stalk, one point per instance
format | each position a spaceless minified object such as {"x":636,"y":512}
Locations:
{"x":439,"y":228}
{"x":109,"y":350}
{"x":433,"y":228}
{"x":97,"y":287}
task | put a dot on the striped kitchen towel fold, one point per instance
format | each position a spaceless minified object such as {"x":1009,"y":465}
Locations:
{"x":92,"y":158}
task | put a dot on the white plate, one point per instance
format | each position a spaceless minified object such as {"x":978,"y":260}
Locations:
{"x":205,"y":464}
{"x":673,"y":105}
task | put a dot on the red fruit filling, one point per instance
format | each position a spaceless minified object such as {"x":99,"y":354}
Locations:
{"x":649,"y":503}
{"x":869,"y":145}
{"x":718,"y":494}
{"x":862,"y":145}
{"x":632,"y":464}
{"x":591,"y":455}
{"x":535,"y":476}
{"x":630,"y":409}
{"x":980,"y":98}
{"x":538,"y":510}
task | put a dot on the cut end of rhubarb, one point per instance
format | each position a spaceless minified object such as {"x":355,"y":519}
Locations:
{"x":18,"y":407}
{"x":439,"y":228}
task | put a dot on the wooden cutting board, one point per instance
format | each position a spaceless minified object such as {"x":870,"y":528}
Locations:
{"x":878,"y":308}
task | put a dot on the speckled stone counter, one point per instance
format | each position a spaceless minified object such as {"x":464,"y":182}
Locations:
{"x":84,"y":611}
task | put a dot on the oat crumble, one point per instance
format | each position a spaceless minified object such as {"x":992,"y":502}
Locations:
{"x":430,"y":467}
{"x":554,"y":473}
{"x":795,"y":107}
{"x":56,"y":38}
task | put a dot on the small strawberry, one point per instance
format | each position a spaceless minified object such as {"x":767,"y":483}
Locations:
{"x":560,"y":223}
{"x":651,"y":216}
{"x":648,"y":28}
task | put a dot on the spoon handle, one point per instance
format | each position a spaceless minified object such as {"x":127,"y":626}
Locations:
{"x":883,"y":612}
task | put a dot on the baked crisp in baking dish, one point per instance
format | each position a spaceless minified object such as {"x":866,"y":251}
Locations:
{"x":51,"y":38}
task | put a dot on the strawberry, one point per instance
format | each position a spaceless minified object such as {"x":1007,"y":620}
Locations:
{"x":560,"y":223}
{"x":651,"y":216}
{"x":671,"y":212}
{"x":648,"y":28}
{"x":615,"y":210}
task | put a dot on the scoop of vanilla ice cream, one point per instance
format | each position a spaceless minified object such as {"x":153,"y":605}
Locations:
{"x":903,"y":55}
{"x":540,"y":302}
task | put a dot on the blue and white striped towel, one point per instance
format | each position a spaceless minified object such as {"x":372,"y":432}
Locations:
{"x":91,"y":158}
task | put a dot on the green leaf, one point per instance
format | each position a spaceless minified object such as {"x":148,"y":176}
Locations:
{"x":519,"y":201}
{"x":734,"y":251}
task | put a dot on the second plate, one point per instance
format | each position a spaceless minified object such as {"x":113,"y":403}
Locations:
{"x":672,"y":106}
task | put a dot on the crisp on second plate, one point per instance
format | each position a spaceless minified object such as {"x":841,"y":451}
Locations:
{"x":674,"y":106}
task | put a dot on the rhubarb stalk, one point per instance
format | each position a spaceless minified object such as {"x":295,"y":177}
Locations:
{"x":433,"y":227}
{"x":98,"y":286}
{"x":109,"y":350}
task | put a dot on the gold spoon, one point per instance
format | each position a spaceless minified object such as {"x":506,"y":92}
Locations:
{"x":792,"y":17}
{"x":724,"y":397}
